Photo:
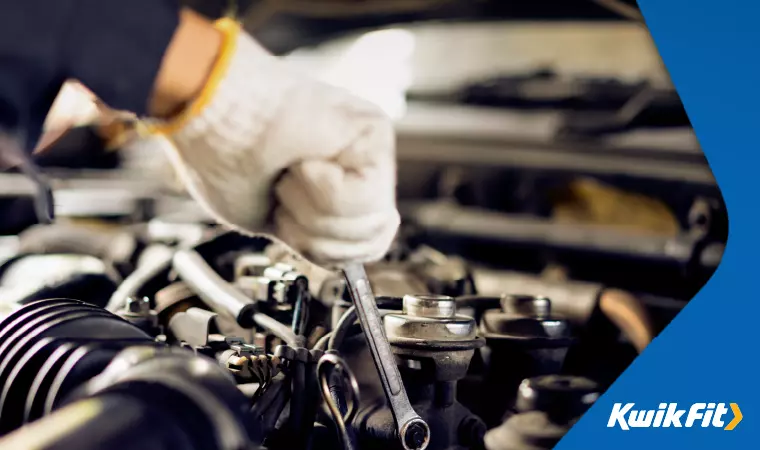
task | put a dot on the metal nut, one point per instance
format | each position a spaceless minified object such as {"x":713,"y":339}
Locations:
{"x":431,"y":306}
{"x":527,"y":305}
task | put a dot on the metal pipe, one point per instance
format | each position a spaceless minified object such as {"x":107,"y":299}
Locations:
{"x":223,"y":298}
{"x":478,"y":223}
{"x":136,"y":280}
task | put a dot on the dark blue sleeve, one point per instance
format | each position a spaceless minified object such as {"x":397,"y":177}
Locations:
{"x":114,"y":47}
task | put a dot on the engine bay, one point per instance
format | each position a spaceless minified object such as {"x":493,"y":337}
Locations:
{"x":189,"y":336}
{"x":557,"y":214}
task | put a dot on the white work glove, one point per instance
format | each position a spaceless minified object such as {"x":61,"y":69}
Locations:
{"x":273,"y":137}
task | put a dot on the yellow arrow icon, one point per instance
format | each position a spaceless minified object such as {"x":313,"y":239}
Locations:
{"x":737,"y":417}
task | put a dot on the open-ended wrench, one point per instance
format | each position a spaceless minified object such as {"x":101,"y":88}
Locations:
{"x":413,"y":431}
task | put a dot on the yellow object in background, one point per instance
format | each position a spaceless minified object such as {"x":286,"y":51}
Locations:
{"x":589,"y":201}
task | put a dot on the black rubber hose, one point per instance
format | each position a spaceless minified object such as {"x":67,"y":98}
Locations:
{"x":223,"y":298}
{"x":268,"y":408}
{"x":297,"y":404}
{"x":310,"y":408}
{"x":341,"y":328}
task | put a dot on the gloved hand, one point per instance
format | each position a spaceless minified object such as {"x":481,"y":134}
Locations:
{"x":272,"y":140}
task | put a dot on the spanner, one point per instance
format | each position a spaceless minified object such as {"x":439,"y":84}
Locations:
{"x":413,"y":431}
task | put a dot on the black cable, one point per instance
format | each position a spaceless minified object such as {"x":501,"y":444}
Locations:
{"x":301,"y":313}
{"x":297,"y":402}
{"x":338,"y":335}
{"x":341,"y":328}
{"x":329,"y":365}
{"x":312,"y":404}
{"x":268,"y":408}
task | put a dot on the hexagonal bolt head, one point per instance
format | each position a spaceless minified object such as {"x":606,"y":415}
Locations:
{"x":527,"y":305}
{"x":430,"y":306}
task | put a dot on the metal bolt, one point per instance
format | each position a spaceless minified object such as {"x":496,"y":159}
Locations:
{"x":429,"y":317}
{"x":431,"y":306}
{"x":562,"y":397}
{"x":416,"y":436}
{"x":527,"y":305}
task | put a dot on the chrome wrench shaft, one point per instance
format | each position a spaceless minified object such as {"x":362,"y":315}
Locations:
{"x":413,"y":431}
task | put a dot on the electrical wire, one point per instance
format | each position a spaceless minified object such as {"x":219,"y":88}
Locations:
{"x":341,"y":328}
{"x":301,"y":313}
{"x":334,"y":339}
{"x":323,"y":342}
{"x":327,"y":364}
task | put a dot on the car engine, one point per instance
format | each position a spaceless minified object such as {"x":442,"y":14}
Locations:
{"x":214,"y":340}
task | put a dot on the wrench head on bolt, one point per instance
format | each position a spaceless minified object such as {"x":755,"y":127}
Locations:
{"x":414,"y":433}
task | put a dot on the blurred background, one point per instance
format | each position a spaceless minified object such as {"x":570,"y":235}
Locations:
{"x":541,"y":142}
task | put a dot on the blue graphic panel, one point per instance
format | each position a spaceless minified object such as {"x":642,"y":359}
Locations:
{"x":709,"y":352}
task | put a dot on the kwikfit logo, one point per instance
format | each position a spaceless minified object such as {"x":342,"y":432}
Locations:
{"x":668,"y":415}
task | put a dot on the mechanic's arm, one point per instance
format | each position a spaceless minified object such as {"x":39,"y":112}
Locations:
{"x":252,"y":135}
{"x":186,"y":65}
{"x":246,"y":126}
